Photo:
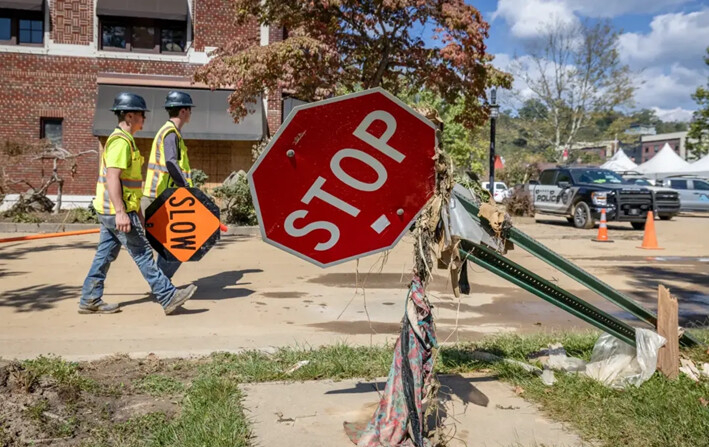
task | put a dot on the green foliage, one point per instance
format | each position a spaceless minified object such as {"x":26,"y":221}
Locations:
{"x":463,"y":145}
{"x":199,"y":178}
{"x":698,"y":135}
{"x":235,"y":196}
{"x":82,"y":215}
{"x":21,"y":217}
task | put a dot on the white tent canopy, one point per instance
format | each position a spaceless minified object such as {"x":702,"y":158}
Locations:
{"x":665,"y":163}
{"x":619,"y":162}
{"x":700,"y":167}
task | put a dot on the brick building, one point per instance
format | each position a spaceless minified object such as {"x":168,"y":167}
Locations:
{"x":652,"y":144}
{"x":63,"y":61}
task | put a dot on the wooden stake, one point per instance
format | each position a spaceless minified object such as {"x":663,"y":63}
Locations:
{"x":668,"y":327}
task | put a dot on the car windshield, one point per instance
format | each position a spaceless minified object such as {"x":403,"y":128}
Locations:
{"x":598,"y":176}
{"x":639,"y":181}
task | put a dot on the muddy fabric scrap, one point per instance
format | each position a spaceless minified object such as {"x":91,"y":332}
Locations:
{"x":399,"y":419}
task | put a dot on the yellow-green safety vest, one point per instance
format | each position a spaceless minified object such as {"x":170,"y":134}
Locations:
{"x":158,"y":178}
{"x":131,"y":178}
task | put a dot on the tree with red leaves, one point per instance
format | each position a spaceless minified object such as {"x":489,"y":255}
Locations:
{"x":333,"y":45}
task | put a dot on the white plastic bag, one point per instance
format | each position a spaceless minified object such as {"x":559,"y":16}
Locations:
{"x":617,"y":364}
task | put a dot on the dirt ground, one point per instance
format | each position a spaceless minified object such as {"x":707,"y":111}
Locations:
{"x":252,"y":295}
{"x":68,"y":407}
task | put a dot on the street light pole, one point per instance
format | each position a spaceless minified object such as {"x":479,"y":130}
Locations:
{"x":493,"y":117}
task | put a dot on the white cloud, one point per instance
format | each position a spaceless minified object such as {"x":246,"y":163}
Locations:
{"x":676,"y":114}
{"x":526,"y":18}
{"x":666,"y":90}
{"x":614,"y":8}
{"x":669,"y":58}
{"x":669,"y":90}
{"x":676,"y":37}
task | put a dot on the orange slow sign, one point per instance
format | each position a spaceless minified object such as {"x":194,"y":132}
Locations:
{"x":182,"y":224}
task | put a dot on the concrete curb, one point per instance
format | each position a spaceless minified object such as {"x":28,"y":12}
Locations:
{"x":10,"y":227}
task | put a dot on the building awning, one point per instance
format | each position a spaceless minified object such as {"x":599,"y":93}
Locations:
{"x":149,"y":9}
{"x":210,"y":118}
{"x":27,"y":5}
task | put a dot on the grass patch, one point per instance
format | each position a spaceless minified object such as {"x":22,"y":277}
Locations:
{"x":212,"y":415}
{"x":659,"y":413}
{"x":36,"y":410}
{"x":329,"y":362}
{"x":64,"y":373}
{"x":159,"y":385}
{"x":136,"y":432}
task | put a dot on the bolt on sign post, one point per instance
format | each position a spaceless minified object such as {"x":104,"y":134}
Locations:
{"x":182,"y":224}
{"x":345,"y":177}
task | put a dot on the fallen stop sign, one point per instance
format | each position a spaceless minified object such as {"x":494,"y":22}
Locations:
{"x":182,"y":224}
{"x":345,"y":177}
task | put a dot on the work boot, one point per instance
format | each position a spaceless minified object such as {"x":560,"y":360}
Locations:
{"x":99,"y":308}
{"x":179,"y":298}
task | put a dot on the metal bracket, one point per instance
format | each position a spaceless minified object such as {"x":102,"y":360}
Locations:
{"x":576,"y":306}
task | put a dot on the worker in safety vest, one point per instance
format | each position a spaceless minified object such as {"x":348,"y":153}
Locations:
{"x":117,"y":202}
{"x":169,"y":165}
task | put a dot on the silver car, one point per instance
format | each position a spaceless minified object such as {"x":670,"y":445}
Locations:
{"x":693,"y":192}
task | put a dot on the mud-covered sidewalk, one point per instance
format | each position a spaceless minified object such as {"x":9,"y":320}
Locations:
{"x":252,"y":295}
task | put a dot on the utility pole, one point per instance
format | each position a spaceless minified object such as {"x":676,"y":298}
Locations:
{"x":493,"y":117}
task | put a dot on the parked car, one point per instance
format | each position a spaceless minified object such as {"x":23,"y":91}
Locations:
{"x":667,"y":201}
{"x":693,"y":192}
{"x":580,"y":194}
{"x":501,"y":190}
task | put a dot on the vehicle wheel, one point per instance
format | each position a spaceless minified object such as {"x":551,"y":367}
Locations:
{"x":582,"y":216}
{"x":666,"y":216}
{"x":638,"y":225}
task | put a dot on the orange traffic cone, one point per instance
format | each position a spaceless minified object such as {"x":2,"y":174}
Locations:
{"x":649,"y":238}
{"x":603,"y":229}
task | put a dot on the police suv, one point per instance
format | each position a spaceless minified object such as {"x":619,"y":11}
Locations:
{"x":580,"y":194}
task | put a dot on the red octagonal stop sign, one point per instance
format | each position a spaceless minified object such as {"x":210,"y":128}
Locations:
{"x":344,"y":177}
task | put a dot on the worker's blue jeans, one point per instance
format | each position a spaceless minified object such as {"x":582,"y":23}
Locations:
{"x":135,"y":242}
{"x":168,"y":267}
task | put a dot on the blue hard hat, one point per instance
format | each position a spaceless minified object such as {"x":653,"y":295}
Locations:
{"x":129,"y":102}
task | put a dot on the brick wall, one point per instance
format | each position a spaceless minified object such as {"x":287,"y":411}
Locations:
{"x":72,"y":21}
{"x":275,"y":99}
{"x":214,"y":24}
{"x":36,"y":86}
{"x":64,"y":87}
{"x":648,"y":150}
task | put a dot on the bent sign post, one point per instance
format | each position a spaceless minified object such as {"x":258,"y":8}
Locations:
{"x":345,"y":177}
{"x":182,"y":224}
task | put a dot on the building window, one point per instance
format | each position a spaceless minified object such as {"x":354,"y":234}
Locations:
{"x":51,"y":129}
{"x":18,"y":27}
{"x":677,"y":149}
{"x":143,"y":35}
{"x":647,"y":149}
{"x":655,"y":148}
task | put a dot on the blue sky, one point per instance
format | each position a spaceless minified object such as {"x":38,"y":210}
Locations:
{"x":663,"y":41}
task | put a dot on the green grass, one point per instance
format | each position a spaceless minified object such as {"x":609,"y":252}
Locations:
{"x":659,"y":413}
{"x":65,"y":373}
{"x":159,"y":385}
{"x":212,"y":415}
{"x":36,"y":410}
